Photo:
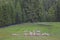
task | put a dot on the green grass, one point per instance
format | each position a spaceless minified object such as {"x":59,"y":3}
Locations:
{"x":54,"y":29}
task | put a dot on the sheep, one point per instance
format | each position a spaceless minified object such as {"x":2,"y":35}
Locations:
{"x":38,"y":33}
{"x":45,"y":34}
{"x":31,"y":33}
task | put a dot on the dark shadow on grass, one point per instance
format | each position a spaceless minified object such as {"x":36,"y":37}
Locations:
{"x":9,"y":25}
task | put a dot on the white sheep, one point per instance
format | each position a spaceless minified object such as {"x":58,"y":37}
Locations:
{"x":38,"y":33}
{"x":45,"y":34}
{"x":31,"y":33}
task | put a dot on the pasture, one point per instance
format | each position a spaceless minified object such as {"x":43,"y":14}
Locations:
{"x":53,"y":28}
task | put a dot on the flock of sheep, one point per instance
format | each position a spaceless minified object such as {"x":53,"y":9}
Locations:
{"x":36,"y":33}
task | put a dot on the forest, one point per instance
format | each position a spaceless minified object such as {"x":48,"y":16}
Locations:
{"x":23,"y":11}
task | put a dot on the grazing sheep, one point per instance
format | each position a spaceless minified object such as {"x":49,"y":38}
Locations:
{"x":31,"y":34}
{"x":45,"y":34}
{"x":38,"y":33}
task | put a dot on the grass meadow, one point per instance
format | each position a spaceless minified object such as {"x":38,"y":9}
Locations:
{"x":52,"y":28}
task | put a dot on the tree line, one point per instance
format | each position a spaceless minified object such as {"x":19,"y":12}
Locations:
{"x":21,"y":11}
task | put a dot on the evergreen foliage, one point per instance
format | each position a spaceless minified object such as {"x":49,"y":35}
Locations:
{"x":21,"y":11}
